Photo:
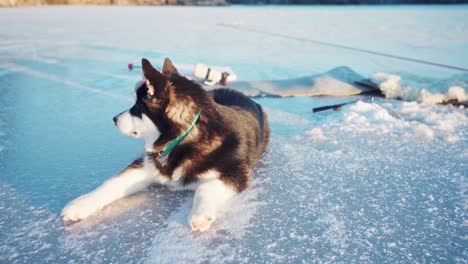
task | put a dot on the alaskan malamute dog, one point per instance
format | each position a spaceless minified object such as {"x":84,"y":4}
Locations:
{"x":194,"y":139}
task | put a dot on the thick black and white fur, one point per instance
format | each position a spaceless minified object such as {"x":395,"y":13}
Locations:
{"x":215,"y":158}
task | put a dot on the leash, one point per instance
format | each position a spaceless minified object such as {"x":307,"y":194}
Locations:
{"x":336,"y":107}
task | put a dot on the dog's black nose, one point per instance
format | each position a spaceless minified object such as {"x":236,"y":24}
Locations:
{"x":115,"y":119}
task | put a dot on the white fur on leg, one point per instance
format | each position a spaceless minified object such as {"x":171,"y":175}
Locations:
{"x":130,"y":181}
{"x":210,"y":196}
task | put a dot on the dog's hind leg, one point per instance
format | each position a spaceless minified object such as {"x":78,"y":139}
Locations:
{"x":210,"y":196}
{"x":131,"y":180}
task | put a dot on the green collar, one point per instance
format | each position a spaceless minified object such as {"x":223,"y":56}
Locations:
{"x":171,"y":145}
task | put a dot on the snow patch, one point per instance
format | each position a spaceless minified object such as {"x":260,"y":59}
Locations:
{"x":355,"y":118}
{"x":427,"y":97}
{"x":430,"y":122}
{"x":382,"y":114}
{"x":361,"y":106}
{"x":370,"y":117}
{"x":424,"y":132}
{"x":316,"y":134}
{"x":412,"y":119}
{"x":456,"y":93}
{"x":390,"y":85}
{"x":393,"y":87}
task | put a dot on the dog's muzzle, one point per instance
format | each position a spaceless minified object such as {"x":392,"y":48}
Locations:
{"x":116,"y":118}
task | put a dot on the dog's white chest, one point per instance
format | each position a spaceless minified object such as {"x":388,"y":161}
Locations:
{"x":172,"y":181}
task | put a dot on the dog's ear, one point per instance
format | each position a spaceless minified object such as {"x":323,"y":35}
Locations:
{"x":156,"y":81}
{"x":168,"y":68}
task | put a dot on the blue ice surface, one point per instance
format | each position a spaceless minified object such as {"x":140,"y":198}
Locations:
{"x":358,"y":185}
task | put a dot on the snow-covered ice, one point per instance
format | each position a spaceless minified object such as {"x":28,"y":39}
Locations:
{"x":382,"y":180}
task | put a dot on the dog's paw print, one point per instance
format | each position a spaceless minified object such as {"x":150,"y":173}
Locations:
{"x":79,"y":209}
{"x":201,"y":222}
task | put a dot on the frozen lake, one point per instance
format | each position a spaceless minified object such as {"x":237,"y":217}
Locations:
{"x":378,"y":181}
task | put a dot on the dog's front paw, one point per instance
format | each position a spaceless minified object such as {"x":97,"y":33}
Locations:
{"x":201,"y":222}
{"x":80,"y":208}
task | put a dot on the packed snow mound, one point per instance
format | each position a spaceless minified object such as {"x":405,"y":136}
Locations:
{"x":392,"y":86}
{"x":409,"y":119}
{"x":457,"y":93}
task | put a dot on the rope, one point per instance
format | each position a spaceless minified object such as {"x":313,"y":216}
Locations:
{"x":329,"y":44}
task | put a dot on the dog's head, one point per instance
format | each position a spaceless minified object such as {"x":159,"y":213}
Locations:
{"x":146,"y":118}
